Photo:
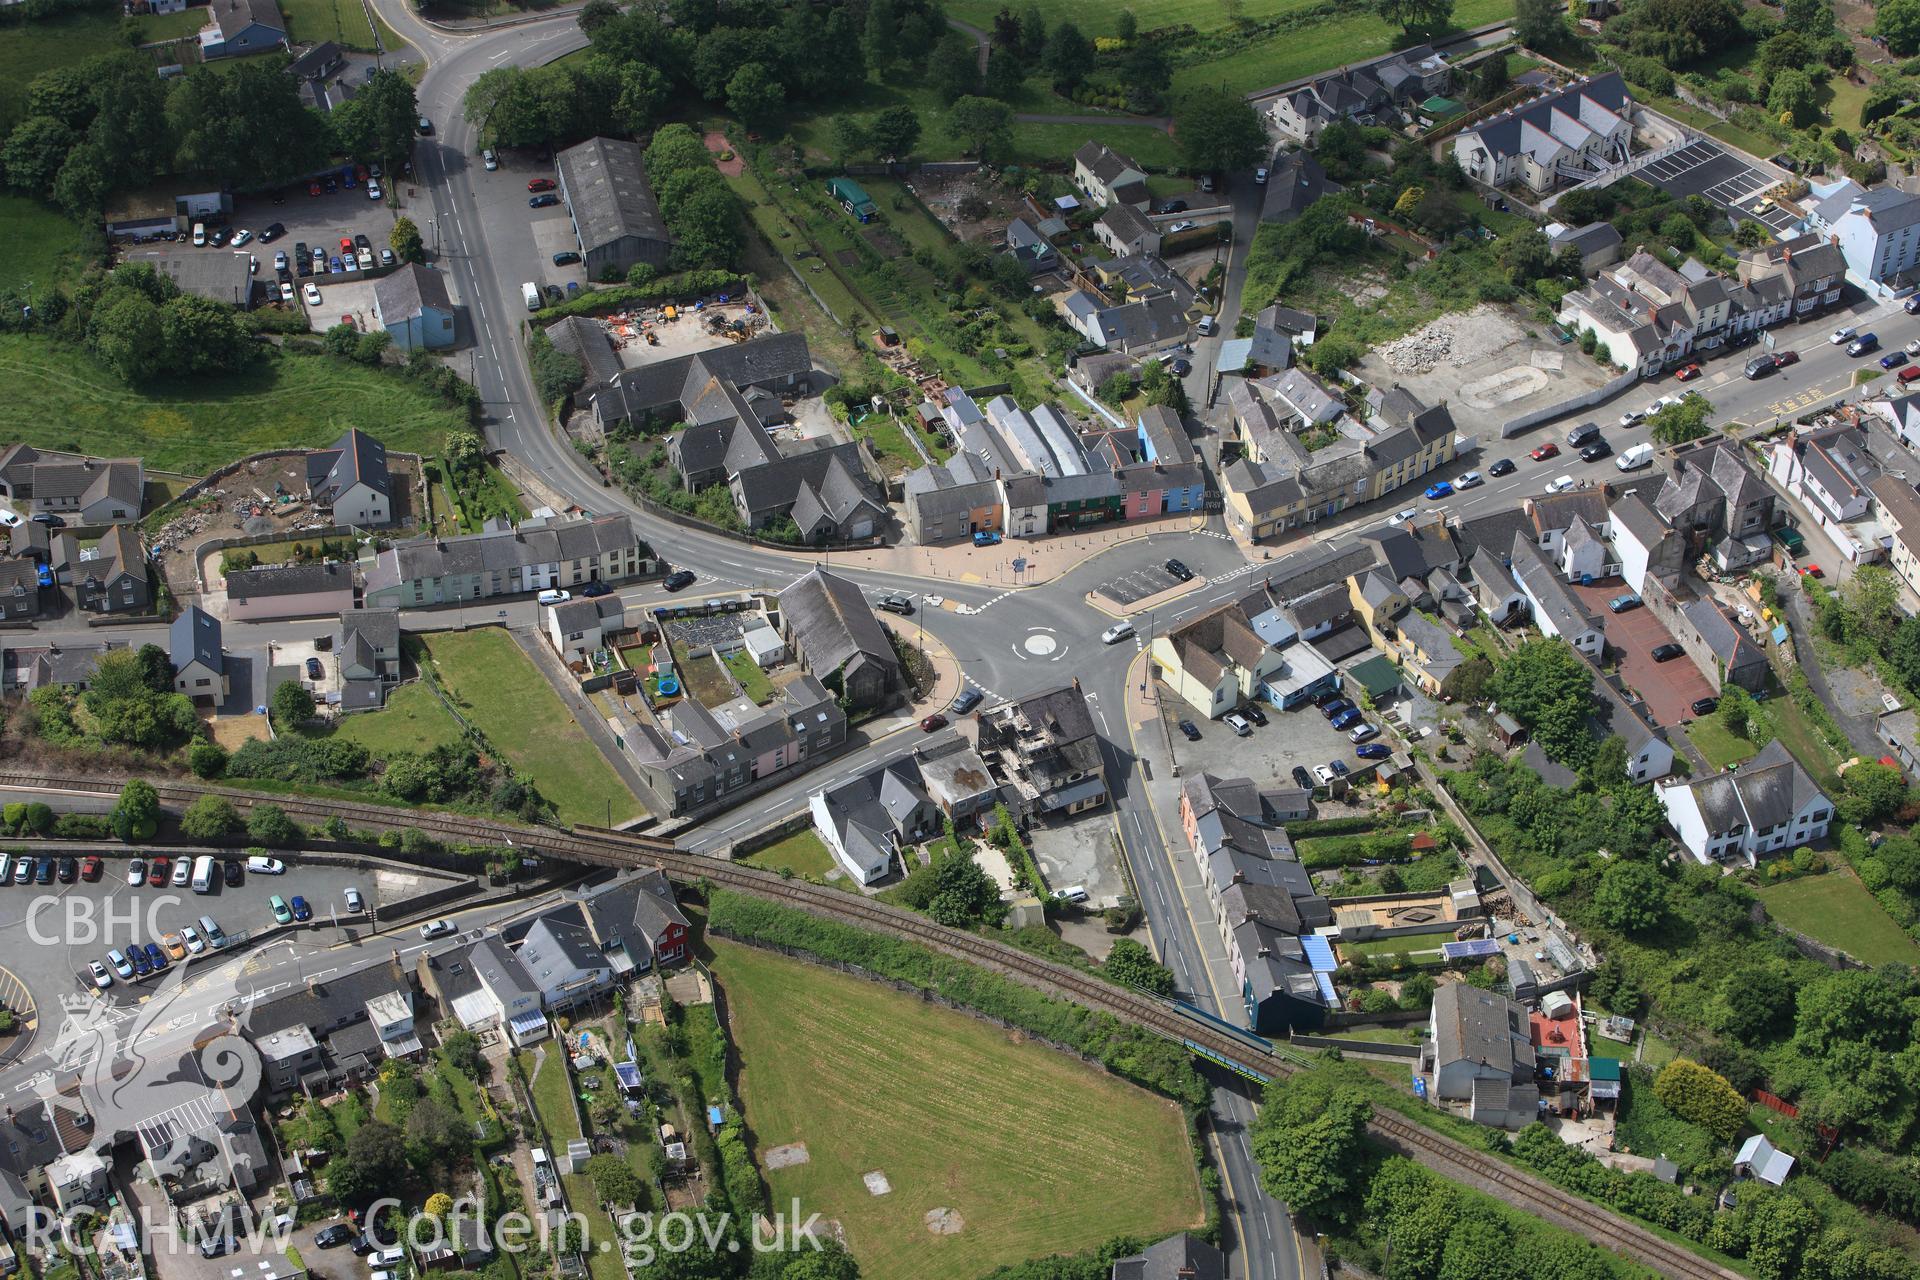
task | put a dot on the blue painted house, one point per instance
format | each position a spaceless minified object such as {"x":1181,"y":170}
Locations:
{"x":1164,"y":443}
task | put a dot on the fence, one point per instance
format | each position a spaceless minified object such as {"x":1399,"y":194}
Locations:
{"x":1382,"y":1048}
{"x":1602,"y":393}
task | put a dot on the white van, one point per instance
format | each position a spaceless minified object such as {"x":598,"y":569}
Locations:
{"x":1641,"y":455}
{"x":205,"y":873}
{"x":261,"y":865}
{"x":531,"y":293}
{"x":1072,"y":893}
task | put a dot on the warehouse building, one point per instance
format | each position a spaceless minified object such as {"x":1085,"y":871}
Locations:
{"x":615,"y":218}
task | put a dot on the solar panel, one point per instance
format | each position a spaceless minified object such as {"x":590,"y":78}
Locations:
{"x":1319,"y":954}
{"x":1472,"y":947}
{"x":1326,"y":990}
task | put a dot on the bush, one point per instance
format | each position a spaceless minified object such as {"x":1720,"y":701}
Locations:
{"x":207,"y":759}
{"x":683,"y":287}
{"x":210,"y":818}
{"x":270,"y":825}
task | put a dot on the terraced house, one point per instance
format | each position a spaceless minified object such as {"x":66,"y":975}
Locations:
{"x":1556,"y":140}
{"x":535,"y":555}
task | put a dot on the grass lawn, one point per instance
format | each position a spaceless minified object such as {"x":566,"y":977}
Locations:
{"x":1837,"y":909}
{"x":61,"y":399}
{"x":1804,"y":739}
{"x":499,"y":690}
{"x":752,"y":679}
{"x":603,"y":1241}
{"x":342,"y":21}
{"x":42,"y":246}
{"x":804,"y":853}
{"x":705,"y":681}
{"x":1064,"y":1161}
{"x":412,"y":720}
{"x":1037,"y":143}
{"x":494,"y":496}
{"x":550,"y":1088}
{"x":1313,"y":48}
{"x":1718,"y":743}
{"x":1409,"y":945}
{"x":889,"y":440}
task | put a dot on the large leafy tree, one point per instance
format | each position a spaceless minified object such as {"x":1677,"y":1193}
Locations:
{"x":1218,"y":132}
{"x":378,"y":122}
{"x":136,"y":815}
{"x":755,"y":94}
{"x":1541,"y":24}
{"x":1548,"y":687}
{"x":1309,"y":1139}
{"x":1416,"y":15}
{"x":1630,"y":897}
{"x":983,"y":126}
{"x":1069,"y":57}
{"x":895,"y":132}
{"x":953,"y":68}
{"x":1129,"y":962}
{"x":1679,"y":423}
{"x":34,"y":153}
{"x":1700,"y":1096}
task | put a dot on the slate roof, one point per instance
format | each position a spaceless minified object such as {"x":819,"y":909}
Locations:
{"x":1590,"y":239}
{"x":411,"y":291}
{"x":356,"y":458}
{"x":1554,"y":120}
{"x":1127,"y":223}
{"x":1543,"y":584}
{"x":317,"y":61}
{"x":1181,"y":1257}
{"x":583,"y":613}
{"x":122,"y":479}
{"x":1729,"y":643}
{"x":1768,"y":790}
{"x":831,"y":482}
{"x":605,"y":180}
{"x":759,"y":361}
{"x":1295,"y":181}
{"x":1633,"y":516}
{"x":1471,"y":1025}
{"x":557,"y":948}
{"x":1316,"y":567}
{"x":288,"y":580}
{"x":324,"y":1002}
{"x":1216,"y":641}
{"x":586,"y":340}
{"x":1104,"y":162}
{"x":194,"y":636}
{"x":234,"y":16}
{"x":832,"y":621}
{"x":543,"y":540}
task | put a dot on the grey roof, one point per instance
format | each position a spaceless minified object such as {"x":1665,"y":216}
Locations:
{"x":380,"y":627}
{"x":1471,"y":1025}
{"x":316,"y":61}
{"x":1127,"y":223}
{"x":234,"y":16}
{"x":1104,"y":162}
{"x":327,"y":1002}
{"x":1554,"y":774}
{"x":558,"y":947}
{"x":1591,"y":238}
{"x":832,"y":621}
{"x":121,"y":479}
{"x":207,"y":273}
{"x":1316,"y":567}
{"x":1767,"y":791}
{"x":640,"y":901}
{"x":1181,"y":1257}
{"x":1887,"y":208}
{"x":830,"y":482}
{"x":1145,"y":322}
{"x":195,"y":637}
{"x":605,"y":180}
{"x":499,"y":968}
{"x":1566,"y":117}
{"x":543,"y":540}
{"x":409,"y":292}
{"x":760,"y":361}
{"x":356,"y":458}
{"x":1022,"y":234}
{"x":584,"y":612}
{"x":1634,"y":516}
{"x":1542,"y":583}
{"x":288,"y":580}
{"x":1296,"y":181}
{"x":1729,"y":642}
{"x":586,"y":339}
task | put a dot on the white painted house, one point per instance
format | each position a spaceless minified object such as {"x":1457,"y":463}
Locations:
{"x":1770,"y":805}
{"x":1878,"y":232}
{"x":351,"y":481}
{"x":577,"y":629}
{"x":1557,"y":611}
{"x":1554,"y":140}
{"x":199,"y":662}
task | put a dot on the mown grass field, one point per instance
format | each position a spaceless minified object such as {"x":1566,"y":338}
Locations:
{"x":501,"y":692}
{"x":42,"y":246}
{"x":1719,"y":744}
{"x":59,"y":398}
{"x":1096,"y":17}
{"x":1837,"y":909}
{"x":804,"y":853}
{"x":1036,"y":1153}
{"x":412,"y":720}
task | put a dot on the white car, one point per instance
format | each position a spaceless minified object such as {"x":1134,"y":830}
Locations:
{"x":1238,"y":723}
{"x":261,"y":865}
{"x":1468,"y":481}
{"x":1633,"y":417}
{"x":312,"y":294}
{"x":286,"y":291}
{"x":491,"y":160}
{"x":253,"y":265}
{"x":191,"y":937}
{"x":241,"y":236}
{"x":1116,"y":633}
{"x":366,"y":258}
{"x":1260,"y":176}
{"x":1399,"y":518}
{"x":137,"y":871}
{"x":436,"y":928}
{"x":182,"y":872}
{"x":1913,"y":348}
{"x":373,"y":190}
{"x":121,"y":965}
{"x":101,"y":978}
{"x":1560,"y":485}
{"x":279,"y":259}
{"x":1185,"y":224}
{"x":9,"y":519}
{"x":1844,"y":333}
{"x":553,"y":595}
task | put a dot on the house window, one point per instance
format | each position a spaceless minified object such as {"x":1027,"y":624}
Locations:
{"x":1819,"y":815}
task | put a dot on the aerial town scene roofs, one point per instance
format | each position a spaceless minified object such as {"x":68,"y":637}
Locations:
{"x":936,"y":640}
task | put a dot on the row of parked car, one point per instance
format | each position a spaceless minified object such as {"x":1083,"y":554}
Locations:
{"x":141,"y":960}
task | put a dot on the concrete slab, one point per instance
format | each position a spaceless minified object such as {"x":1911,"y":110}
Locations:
{"x":1081,"y":853}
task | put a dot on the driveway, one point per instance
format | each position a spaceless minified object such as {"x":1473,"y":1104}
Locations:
{"x":1670,"y":688}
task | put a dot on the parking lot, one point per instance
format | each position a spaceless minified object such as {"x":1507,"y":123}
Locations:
{"x":1268,"y":754}
{"x":1129,"y":588}
{"x":1705,"y":168}
{"x":1670,"y":688}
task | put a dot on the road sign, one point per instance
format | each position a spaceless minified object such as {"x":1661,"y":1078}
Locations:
{"x":1019,"y":564}
{"x":1766,"y":339}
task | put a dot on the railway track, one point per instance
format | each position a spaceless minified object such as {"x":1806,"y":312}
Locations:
{"x":602,"y":847}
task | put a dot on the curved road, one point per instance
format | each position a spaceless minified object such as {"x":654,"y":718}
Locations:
{"x":476,"y":223}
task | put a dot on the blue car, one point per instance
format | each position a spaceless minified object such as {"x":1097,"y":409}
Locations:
{"x":1440,"y":489}
{"x":138,"y":958}
{"x":156,"y":957}
{"x":301,"y":911}
{"x":1347,"y":719}
{"x":1893,"y":361}
{"x":1373,"y":751}
{"x":334,"y":266}
{"x":985,"y":538}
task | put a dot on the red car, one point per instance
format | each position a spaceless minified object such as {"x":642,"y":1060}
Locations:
{"x":159,"y":870}
{"x":1813,"y":571}
{"x":933,"y":722}
{"x":313,"y":188}
{"x":1545,"y":451}
{"x":346,"y":244}
{"x":1688,"y":374}
{"x":542,"y":184}
{"x":1785,"y":358}
{"x":90,"y":868}
{"x":1909,"y":374}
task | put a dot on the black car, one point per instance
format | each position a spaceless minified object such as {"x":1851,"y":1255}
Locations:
{"x":273,"y":232}
{"x":1179,"y":570}
{"x":69,"y":870}
{"x":217,"y":1248}
{"x":1501,"y":468}
{"x":967,"y":701}
{"x":43,"y":870}
{"x":1339,"y":768}
{"x":543,"y":201}
{"x":1325,"y":696}
{"x":1595,"y":451}
{"x":1174,"y":206}
{"x":363,"y":1246}
{"x":1912,"y":305}
{"x":334,"y":1236}
{"x":1181,"y":366}
{"x":679,"y":580}
{"x":361,"y":242}
{"x":1192,"y":730}
{"x":1666,"y":652}
{"x":1301,"y":778}
{"x":1252,"y":712}
{"x":565,"y":259}
{"x":1705,"y":706}
{"x":233,"y":873}
{"x":314,"y":669}
{"x":1760,"y":367}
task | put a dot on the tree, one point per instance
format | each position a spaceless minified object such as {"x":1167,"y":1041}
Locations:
{"x":1548,"y":687}
{"x":34,"y":153}
{"x":136,"y":815}
{"x":755,"y":94}
{"x":596,"y":14}
{"x":1492,"y":79}
{"x":1131,"y":964}
{"x":1416,"y":15}
{"x":1700,"y":1096}
{"x":211,"y":818}
{"x":1033,"y":34}
{"x":1310,"y":1140}
{"x":291,"y":704}
{"x":1898,"y":23}
{"x":1526,"y":256}
{"x":200,"y":335}
{"x":378,"y":122}
{"x":1873,"y":793}
{"x":1853,"y":1006}
{"x":614,"y":1182}
{"x":963,"y":893}
{"x":207,"y":759}
{"x":1540,"y":24}
{"x":82,"y":188}
{"x":1630,"y":897}
{"x":850,"y":138}
{"x":880,"y":39}
{"x":155,"y":667}
{"x":984,"y":127}
{"x":1755,"y":1004}
{"x":953,"y":68}
{"x":1218,"y":132}
{"x":463,"y":1053}
{"x":1793,"y":98}
{"x":1812,"y":17}
{"x":406,"y":242}
{"x":125,"y":334}
{"x":1069,"y":57}
{"x":895,"y":132}
{"x":374,"y":1164}
{"x":1679,"y":423}
{"x":269,"y":824}
{"x":706,"y":229}
{"x":436,"y":1136}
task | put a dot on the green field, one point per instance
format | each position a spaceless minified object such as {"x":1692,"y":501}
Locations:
{"x":60,"y":399}
{"x":29,"y":48}
{"x":1035,"y":1152}
{"x":42,"y":246}
{"x":1837,"y":909}
{"x":1096,"y":17}
{"x":753,"y":681}
{"x":342,"y":21}
{"x":551,"y":1083}
{"x":412,"y":720}
{"x":499,"y":690}
{"x":1717,"y":743}
{"x":802,"y":853}
{"x":1411,"y":944}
